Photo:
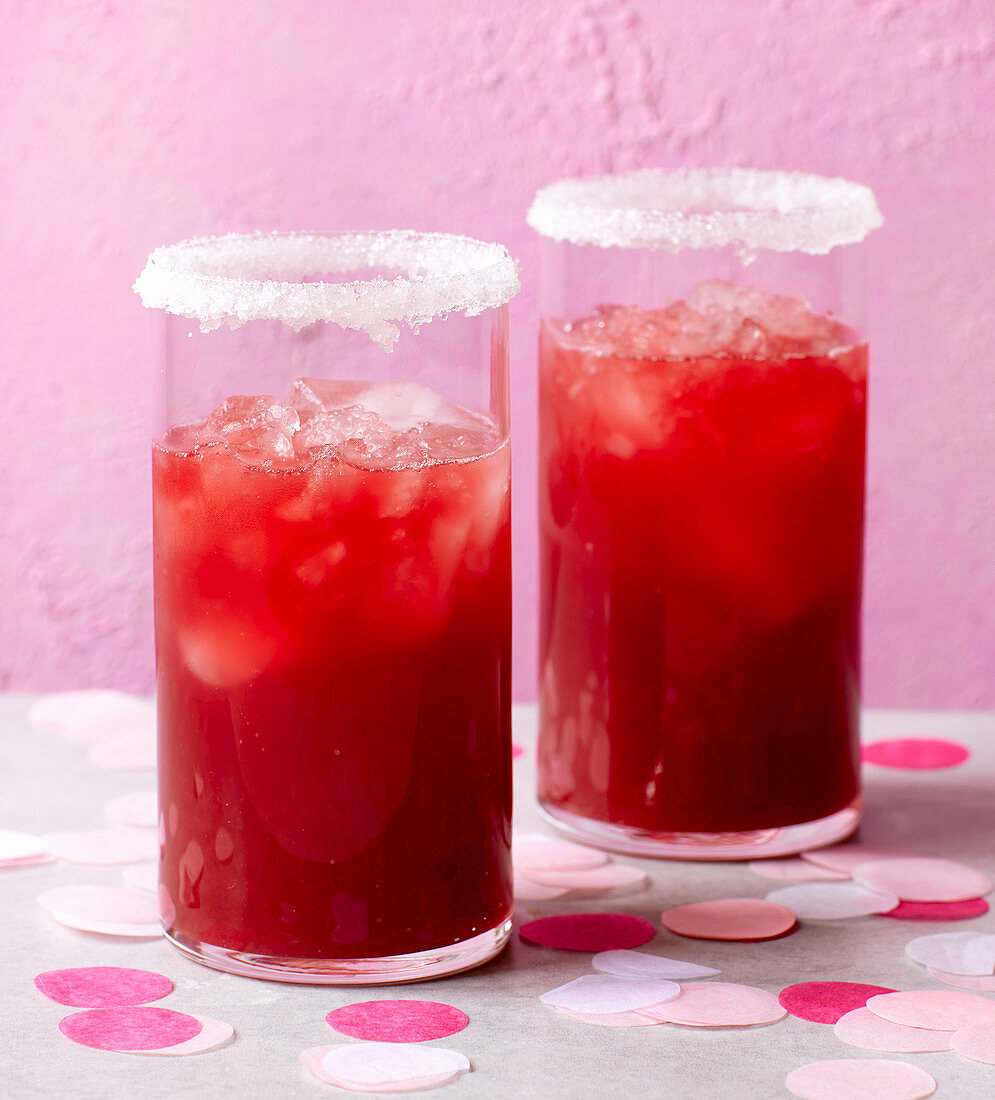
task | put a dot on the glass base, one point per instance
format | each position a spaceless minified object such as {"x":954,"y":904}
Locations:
{"x":788,"y":840}
{"x":391,"y":970}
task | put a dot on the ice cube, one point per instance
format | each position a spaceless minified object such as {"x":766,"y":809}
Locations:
{"x":256,"y":428}
{"x":226,"y":649}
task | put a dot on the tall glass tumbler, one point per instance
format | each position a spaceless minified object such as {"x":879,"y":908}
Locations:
{"x":332,"y":588}
{"x":702,"y":425}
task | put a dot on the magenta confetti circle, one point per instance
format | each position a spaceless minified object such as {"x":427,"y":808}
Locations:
{"x":915,"y":752}
{"x":938,"y":910}
{"x":827,"y":1002}
{"x":103,"y":986}
{"x":127,"y":1029}
{"x":517,"y":750}
{"x":397,"y":1021}
{"x":588,"y":931}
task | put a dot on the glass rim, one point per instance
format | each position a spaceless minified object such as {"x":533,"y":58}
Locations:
{"x":241,"y":277}
{"x":707,"y":208}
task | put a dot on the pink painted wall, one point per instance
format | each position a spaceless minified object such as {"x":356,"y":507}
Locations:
{"x":128,"y":125}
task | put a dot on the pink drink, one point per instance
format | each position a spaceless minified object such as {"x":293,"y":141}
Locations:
{"x":702,"y":481}
{"x":333,"y":631}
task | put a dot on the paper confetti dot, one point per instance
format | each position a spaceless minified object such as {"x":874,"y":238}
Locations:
{"x":938,"y":1009}
{"x":611,"y":1019}
{"x":94,"y":715}
{"x":612,"y":878}
{"x":847,"y":857}
{"x":730,"y":919}
{"x":860,"y":1079}
{"x":605,"y":993}
{"x":140,"y":809}
{"x":832,"y":900}
{"x":111,"y":910}
{"x":638,"y":964}
{"x":117,"y":844}
{"x":588,"y":931}
{"x":535,"y":851}
{"x":397,"y":1021}
{"x":920,"y":879}
{"x":865,"y":1029}
{"x":129,"y":1029}
{"x":103,"y":986}
{"x":719,"y":1004}
{"x":382,"y":1067}
{"x":955,"y":952}
{"x":21,"y":849}
{"x":976,"y":1043}
{"x":517,"y":750}
{"x":938,"y":910}
{"x":142,"y":876}
{"x":213,"y":1034}
{"x":915,"y":752}
{"x":828,"y":1001}
{"x":978,"y":982}
{"x":525,"y":889}
{"x":795,"y":869}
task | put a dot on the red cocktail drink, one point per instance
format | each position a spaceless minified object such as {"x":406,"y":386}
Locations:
{"x":702,"y":486}
{"x":333,"y":625}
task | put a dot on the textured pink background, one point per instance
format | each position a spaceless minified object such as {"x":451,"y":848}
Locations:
{"x":129,"y":125}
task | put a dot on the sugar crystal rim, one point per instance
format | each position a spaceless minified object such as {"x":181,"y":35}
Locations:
{"x":707,"y":208}
{"x":245,"y":277}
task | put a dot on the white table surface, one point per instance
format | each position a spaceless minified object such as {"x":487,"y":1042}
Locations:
{"x":518,"y":1046}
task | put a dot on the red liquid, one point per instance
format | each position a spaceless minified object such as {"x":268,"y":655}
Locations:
{"x":333,"y":634}
{"x":701,"y":540}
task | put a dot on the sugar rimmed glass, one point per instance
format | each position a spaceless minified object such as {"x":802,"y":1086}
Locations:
{"x":332,"y":583}
{"x":702,"y":433}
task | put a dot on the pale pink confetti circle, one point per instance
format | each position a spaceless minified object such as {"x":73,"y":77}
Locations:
{"x":915,"y":752}
{"x":865,"y":1029}
{"x":397,"y":1021}
{"x":937,"y":1009}
{"x":730,"y":919}
{"x":832,"y":900}
{"x":605,"y":993}
{"x":611,"y":1019}
{"x":129,"y":1029}
{"x":955,"y":952}
{"x":140,"y":809}
{"x":795,"y":869}
{"x":142,"y":876}
{"x":388,"y":1067}
{"x":609,"y":878}
{"x":860,"y":1079}
{"x":980,"y":983}
{"x":535,"y":851}
{"x":213,"y":1034}
{"x":639,"y":964}
{"x":976,"y":1043}
{"x":21,"y":849}
{"x":847,"y":857}
{"x":588,"y":931}
{"x":93,"y":715}
{"x":102,"y":986}
{"x":919,"y":879}
{"x":111,"y":910}
{"x":517,"y":750}
{"x":719,"y":1004}
{"x":525,"y":889}
{"x":938,"y":910}
{"x":826,"y":1002}
{"x":117,"y":844}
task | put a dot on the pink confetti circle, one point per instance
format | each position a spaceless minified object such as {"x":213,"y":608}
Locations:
{"x":920,"y":879}
{"x":938,"y":910}
{"x":827,"y":1002}
{"x":978,"y":982}
{"x":128,"y":1029}
{"x":397,"y":1021}
{"x":937,"y":1009}
{"x":868,"y":1031}
{"x":731,"y":919}
{"x":719,"y":1004}
{"x":588,"y":931}
{"x":915,"y":752}
{"x":103,"y":986}
{"x":611,"y":1019}
{"x":976,"y":1043}
{"x":880,"y":1078}
{"x":517,"y":750}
